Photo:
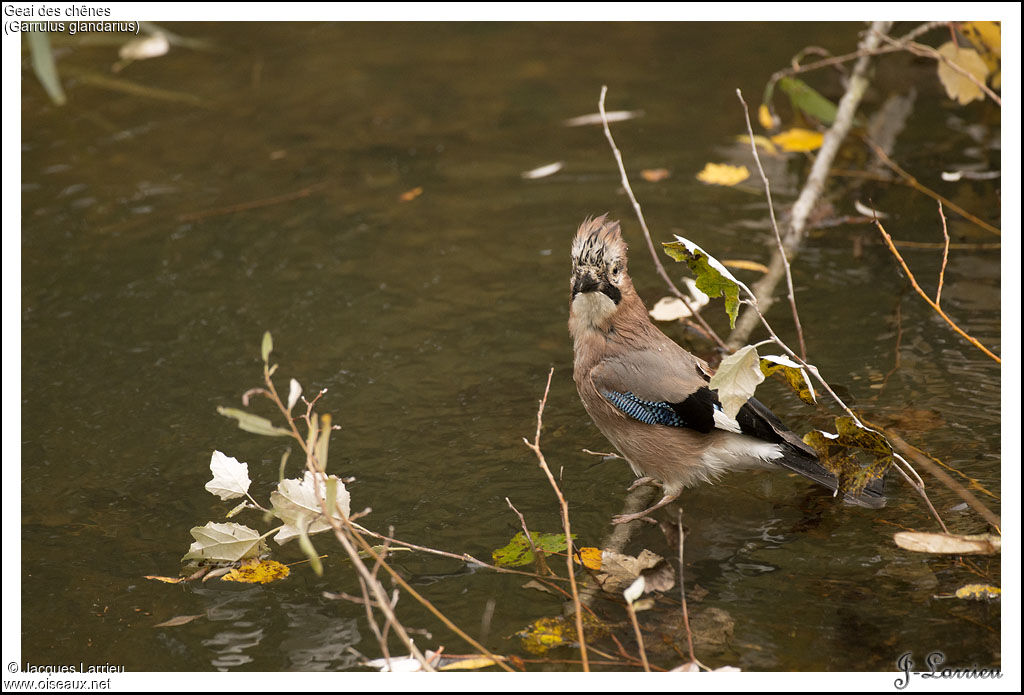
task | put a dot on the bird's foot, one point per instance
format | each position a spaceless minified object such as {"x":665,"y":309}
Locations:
{"x":639,"y":516}
{"x":646,"y":480}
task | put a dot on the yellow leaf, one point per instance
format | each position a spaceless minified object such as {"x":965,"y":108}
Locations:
{"x":471,"y":662}
{"x":746,"y":265}
{"x":979,"y":591}
{"x":764,"y":117}
{"x":591,"y":558}
{"x":798,"y":140}
{"x":959,"y":86}
{"x":759,"y":140}
{"x":723,"y":174}
{"x":259,"y":573}
{"x":986,"y":37}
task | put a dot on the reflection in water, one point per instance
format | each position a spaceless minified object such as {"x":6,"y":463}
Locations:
{"x":317,"y":639}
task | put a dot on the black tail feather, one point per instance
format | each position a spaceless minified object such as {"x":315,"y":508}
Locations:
{"x":798,"y":461}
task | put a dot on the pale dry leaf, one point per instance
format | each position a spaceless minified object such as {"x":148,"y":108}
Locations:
{"x":298,"y":504}
{"x":294,"y":391}
{"x":542,"y":171}
{"x":736,"y":379}
{"x":230,"y":476}
{"x":958,"y":86}
{"x":180,"y":620}
{"x":983,"y":544}
{"x":228,"y":542}
{"x":595,"y":118}
{"x":635,"y":590}
{"x":145,"y":47}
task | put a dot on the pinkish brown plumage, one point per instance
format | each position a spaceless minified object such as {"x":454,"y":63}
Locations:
{"x":650,"y":397}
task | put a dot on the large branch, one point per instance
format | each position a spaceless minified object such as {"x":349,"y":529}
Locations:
{"x":764,"y":288}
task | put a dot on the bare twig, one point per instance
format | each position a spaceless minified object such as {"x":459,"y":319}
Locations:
{"x":945,"y":256}
{"x":682,"y":589}
{"x":931,"y":303}
{"x":643,"y":224}
{"x":535,"y":447}
{"x":639,"y":636}
{"x":775,"y":228}
{"x":918,"y":186}
{"x":465,"y":557}
{"x":538,"y":559}
{"x":929,"y":52}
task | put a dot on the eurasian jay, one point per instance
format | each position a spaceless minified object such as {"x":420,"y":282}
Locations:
{"x":650,"y":397}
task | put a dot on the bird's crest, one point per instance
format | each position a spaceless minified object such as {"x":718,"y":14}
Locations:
{"x":598,"y":242}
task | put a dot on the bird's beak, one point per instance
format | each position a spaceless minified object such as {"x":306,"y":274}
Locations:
{"x":586,"y":282}
{"x":591,"y":281}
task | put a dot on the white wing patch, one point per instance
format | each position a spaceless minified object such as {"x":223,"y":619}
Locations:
{"x":724,"y":422}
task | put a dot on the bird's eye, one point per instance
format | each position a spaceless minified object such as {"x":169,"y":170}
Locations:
{"x":615,"y":271}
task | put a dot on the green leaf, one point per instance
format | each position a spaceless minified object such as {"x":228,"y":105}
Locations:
{"x":322,"y":442}
{"x":267,"y":347}
{"x":795,"y":375}
{"x":227,"y":542}
{"x":736,"y":378}
{"x":307,"y":547}
{"x":838,"y":454}
{"x":254,"y":423}
{"x":518,"y":551}
{"x":712,"y":277}
{"x":809,"y":100}
{"x":45,"y":67}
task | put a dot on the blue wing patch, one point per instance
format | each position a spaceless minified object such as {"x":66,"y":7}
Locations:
{"x":651,"y":412}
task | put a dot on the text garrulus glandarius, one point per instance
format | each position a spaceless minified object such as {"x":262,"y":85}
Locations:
{"x":650,"y":397}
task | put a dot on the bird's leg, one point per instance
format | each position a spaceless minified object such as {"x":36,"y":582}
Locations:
{"x":646,"y":480}
{"x":626,"y":518}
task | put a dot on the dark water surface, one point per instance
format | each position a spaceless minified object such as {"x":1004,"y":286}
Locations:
{"x":434,"y":321}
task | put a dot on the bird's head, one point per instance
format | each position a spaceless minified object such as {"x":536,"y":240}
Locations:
{"x":599,"y":278}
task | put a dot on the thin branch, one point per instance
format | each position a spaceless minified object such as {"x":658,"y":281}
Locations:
{"x":775,"y":228}
{"x":682,"y":589}
{"x":639,"y":636}
{"x":643,"y":223}
{"x":537,"y":557}
{"x":932,"y":304}
{"x":918,"y":186}
{"x":945,"y":256}
{"x":535,"y":447}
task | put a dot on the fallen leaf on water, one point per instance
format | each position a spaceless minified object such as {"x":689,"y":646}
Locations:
{"x":518,"y":551}
{"x":979,"y":592}
{"x":723,"y":174}
{"x":544,"y":634}
{"x":654,"y":175}
{"x":983,"y":544}
{"x":411,"y":194}
{"x":595,"y":118}
{"x":465,"y":663}
{"x":798,"y":140}
{"x":542,"y":171}
{"x":957,"y":85}
{"x":168,"y":580}
{"x":180,"y":620}
{"x":258,"y":573}
{"x":761,"y":141}
{"x":746,"y":265}
{"x":619,"y":571}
